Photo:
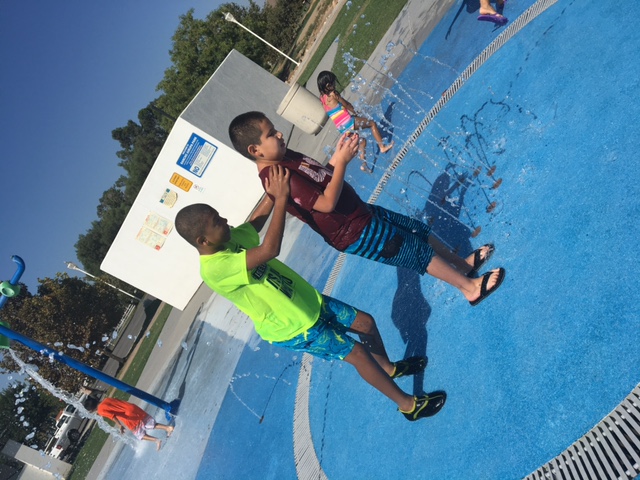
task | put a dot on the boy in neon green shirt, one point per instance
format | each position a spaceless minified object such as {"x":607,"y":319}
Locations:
{"x":285,"y":309}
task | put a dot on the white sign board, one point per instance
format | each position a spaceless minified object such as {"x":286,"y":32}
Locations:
{"x":193,"y":167}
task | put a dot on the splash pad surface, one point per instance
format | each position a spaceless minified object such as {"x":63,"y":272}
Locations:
{"x":533,"y":367}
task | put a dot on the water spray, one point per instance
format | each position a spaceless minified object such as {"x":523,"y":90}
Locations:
{"x":11,"y":289}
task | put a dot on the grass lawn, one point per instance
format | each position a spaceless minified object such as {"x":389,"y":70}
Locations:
{"x":97,"y":438}
{"x":370,"y":20}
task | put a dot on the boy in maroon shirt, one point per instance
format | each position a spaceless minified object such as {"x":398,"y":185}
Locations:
{"x":321,"y":198}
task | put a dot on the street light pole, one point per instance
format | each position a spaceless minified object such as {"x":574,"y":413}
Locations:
{"x":230,"y":18}
{"x":73,"y":266}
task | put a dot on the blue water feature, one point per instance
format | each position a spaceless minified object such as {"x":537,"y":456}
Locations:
{"x":534,"y":153}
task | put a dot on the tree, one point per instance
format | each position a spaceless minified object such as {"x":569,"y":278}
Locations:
{"x":282,"y":25}
{"x":27,"y":414}
{"x":70,"y":315}
{"x":200,"y":46}
{"x":140,"y":146}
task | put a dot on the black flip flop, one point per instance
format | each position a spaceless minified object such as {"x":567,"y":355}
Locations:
{"x":478,"y":261}
{"x":484,"y":291}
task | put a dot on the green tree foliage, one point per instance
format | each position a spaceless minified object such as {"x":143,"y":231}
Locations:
{"x":27,"y":415}
{"x":140,"y":145}
{"x":282,"y":25}
{"x":69,"y":315}
{"x":200,"y":46}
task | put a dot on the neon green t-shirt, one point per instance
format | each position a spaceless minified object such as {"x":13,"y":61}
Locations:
{"x":278,"y":300}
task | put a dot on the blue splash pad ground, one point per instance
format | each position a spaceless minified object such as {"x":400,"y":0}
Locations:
{"x":536,"y":365}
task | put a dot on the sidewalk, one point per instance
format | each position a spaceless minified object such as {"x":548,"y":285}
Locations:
{"x":411,"y":28}
{"x":171,"y":338}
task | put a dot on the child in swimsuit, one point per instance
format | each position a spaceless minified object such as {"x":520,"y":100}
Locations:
{"x":344,"y":116}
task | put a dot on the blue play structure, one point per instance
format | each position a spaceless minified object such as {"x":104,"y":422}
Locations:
{"x":11,"y":289}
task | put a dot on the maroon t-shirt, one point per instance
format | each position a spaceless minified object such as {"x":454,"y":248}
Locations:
{"x":308,"y":179}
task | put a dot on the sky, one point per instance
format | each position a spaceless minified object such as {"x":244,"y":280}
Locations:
{"x":71,"y":73}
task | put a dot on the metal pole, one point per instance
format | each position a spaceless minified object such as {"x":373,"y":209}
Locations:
{"x":170,"y":408}
{"x":230,"y":18}
{"x":73,"y":266}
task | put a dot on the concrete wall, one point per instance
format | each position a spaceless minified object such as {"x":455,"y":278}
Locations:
{"x":196,"y":165}
{"x":37,"y":466}
{"x":238,"y":86}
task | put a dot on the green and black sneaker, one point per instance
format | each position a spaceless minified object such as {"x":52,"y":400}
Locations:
{"x":409,"y":366}
{"x":426,"y":406}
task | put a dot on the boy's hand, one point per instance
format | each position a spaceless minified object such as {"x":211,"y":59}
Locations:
{"x":347,"y":148}
{"x":277,"y":184}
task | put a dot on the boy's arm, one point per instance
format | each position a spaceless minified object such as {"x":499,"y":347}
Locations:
{"x":261,"y":213}
{"x":278,"y":186}
{"x":345,"y":151}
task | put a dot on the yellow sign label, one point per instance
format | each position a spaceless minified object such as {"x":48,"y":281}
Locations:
{"x":181,"y":182}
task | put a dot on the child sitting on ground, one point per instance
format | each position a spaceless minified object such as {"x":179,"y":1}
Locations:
{"x":321,"y":198}
{"x":344,"y":115}
{"x":285,"y":309}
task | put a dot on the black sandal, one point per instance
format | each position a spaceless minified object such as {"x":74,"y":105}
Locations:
{"x":484,"y":291}
{"x":479,"y":261}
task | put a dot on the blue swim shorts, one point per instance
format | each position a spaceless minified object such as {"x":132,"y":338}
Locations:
{"x":327,"y":338}
{"x":394,"y":239}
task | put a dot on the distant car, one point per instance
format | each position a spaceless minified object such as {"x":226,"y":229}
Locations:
{"x":68,"y":423}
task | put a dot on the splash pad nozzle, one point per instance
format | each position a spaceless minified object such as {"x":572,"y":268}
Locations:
{"x":11,"y":289}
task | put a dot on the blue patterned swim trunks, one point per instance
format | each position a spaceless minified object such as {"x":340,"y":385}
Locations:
{"x":327,"y":338}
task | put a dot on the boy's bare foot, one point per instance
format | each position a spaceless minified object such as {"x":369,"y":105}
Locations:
{"x":158,"y":444}
{"x":169,"y":431}
{"x":386,"y":148}
{"x":486,"y":285}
